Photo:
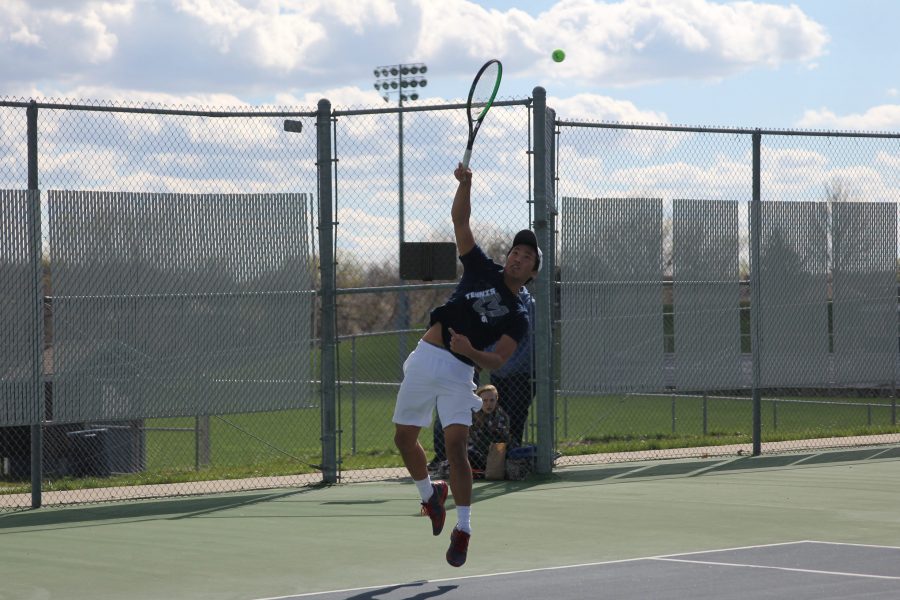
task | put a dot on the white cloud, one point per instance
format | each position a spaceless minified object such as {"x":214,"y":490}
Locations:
{"x":885,"y":116}
{"x":892,"y":161}
{"x":76,"y":33}
{"x":795,"y":172}
{"x":262,"y":48}
{"x":340,"y":97}
{"x":789,"y":173}
{"x":271,"y":39}
{"x":25,"y":37}
{"x":136,"y":96}
{"x":628,"y":42}
{"x":603,"y":108}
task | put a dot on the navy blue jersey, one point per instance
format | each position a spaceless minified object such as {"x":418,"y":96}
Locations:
{"x":481,"y":307}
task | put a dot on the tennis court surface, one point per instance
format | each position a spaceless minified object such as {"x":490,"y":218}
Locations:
{"x":806,"y":570}
{"x":801,"y":527}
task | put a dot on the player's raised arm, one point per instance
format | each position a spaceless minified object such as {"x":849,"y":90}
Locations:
{"x":462,"y":209}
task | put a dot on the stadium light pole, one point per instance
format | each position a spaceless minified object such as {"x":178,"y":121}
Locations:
{"x":403,"y":80}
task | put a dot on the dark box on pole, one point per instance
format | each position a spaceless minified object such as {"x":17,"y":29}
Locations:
{"x":427,"y":261}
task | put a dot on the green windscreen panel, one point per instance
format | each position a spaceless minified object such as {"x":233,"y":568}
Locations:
{"x":611,"y":295}
{"x":793,"y":328}
{"x":17,"y":302}
{"x":179,"y":304}
{"x":706,"y":295}
{"x":864,"y":307}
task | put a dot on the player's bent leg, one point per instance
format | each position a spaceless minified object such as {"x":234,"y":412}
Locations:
{"x":434,"y":494}
{"x":406,"y":438}
{"x":456,"y":438}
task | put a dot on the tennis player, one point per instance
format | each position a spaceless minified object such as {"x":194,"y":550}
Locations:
{"x":484,"y":309}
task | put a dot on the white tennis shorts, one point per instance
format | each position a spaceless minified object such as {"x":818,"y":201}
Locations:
{"x":434,"y":377}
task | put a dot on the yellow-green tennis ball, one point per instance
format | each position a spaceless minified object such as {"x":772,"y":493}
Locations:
{"x":558,"y":55}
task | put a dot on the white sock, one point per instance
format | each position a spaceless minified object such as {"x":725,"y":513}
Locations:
{"x":425,"y":489}
{"x":463,"y":518}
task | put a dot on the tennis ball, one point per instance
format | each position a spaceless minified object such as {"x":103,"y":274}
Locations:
{"x":558,"y":55}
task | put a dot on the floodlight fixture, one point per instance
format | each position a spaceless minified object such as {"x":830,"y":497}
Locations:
{"x":398,"y":78}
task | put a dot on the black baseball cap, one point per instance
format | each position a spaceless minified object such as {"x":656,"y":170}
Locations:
{"x":527,"y":237}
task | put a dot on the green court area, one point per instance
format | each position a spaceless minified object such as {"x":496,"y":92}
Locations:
{"x":302,"y":541}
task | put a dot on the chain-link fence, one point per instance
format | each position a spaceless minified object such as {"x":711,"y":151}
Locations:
{"x":725,"y":291}
{"x":160,"y":271}
{"x":394,"y":184}
{"x":198,"y":301}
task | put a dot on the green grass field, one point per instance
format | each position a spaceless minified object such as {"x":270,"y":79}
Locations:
{"x":288,"y":442}
{"x":584,"y":425}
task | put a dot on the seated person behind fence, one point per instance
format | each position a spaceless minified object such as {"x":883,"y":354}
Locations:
{"x":489,"y":426}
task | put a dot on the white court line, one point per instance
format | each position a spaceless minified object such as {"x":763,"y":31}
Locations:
{"x":746,"y":566}
{"x":536,"y":570}
{"x":852,"y":544}
{"x":729,"y":549}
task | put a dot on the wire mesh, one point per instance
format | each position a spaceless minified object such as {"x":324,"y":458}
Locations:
{"x":179,"y":285}
{"x":394,"y":182}
{"x":827,"y":286}
{"x":842,"y":389}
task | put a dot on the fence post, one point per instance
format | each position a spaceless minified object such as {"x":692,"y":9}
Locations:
{"x":353,"y":396}
{"x":326,"y":265}
{"x":755,"y":224}
{"x":544,"y":210}
{"x":202,"y":446}
{"x":894,"y":403}
{"x":37,"y":356}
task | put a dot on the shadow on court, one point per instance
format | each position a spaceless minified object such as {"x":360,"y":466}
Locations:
{"x":170,"y":509}
{"x":703,"y":467}
{"x":422,"y":595}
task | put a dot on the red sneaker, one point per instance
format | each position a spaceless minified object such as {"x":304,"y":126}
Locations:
{"x":434,"y":507}
{"x":459,"y":546}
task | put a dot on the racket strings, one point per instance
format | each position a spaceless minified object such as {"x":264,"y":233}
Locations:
{"x":486,"y":88}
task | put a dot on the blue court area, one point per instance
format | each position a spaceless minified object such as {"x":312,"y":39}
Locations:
{"x":823,"y":526}
{"x":806,"y":570}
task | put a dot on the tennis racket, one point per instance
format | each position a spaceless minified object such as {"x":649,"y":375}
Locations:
{"x":481,"y":98}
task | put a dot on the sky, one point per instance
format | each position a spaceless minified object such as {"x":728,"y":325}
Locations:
{"x":820,"y":64}
{"x":809,"y":64}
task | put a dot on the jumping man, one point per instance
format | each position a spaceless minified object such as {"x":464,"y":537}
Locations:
{"x":484,"y":309}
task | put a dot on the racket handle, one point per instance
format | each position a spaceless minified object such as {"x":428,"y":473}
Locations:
{"x":466,"y":157}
